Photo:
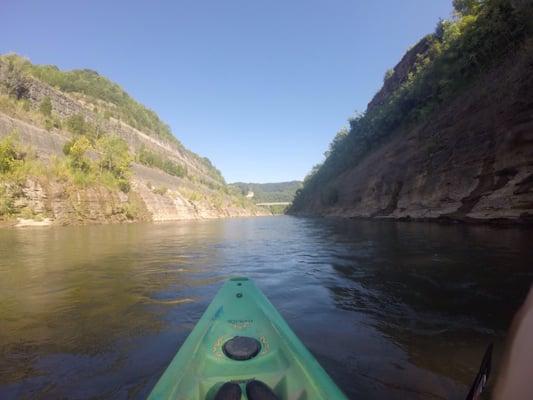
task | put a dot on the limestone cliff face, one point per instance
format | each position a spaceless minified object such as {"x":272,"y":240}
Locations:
{"x":471,"y":161}
{"x":154,"y":195}
{"x":68,"y":104}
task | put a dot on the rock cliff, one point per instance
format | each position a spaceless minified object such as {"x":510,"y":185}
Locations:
{"x":154,"y":195}
{"x":471,"y":160}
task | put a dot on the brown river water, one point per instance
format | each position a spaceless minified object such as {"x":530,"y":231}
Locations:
{"x":391,"y":310}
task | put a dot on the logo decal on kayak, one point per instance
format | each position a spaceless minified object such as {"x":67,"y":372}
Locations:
{"x":240,"y":323}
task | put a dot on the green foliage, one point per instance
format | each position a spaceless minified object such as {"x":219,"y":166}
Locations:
{"x":46,"y":107}
{"x":213,"y":171}
{"x":483,"y":34}
{"x":16,"y":165}
{"x":269,"y":192}
{"x":112,"y":168}
{"x":115,"y":158}
{"x":277,"y":209}
{"x":10,"y":157}
{"x":48,"y":124}
{"x":77,"y":125}
{"x":161,"y":190}
{"x":467,"y":7}
{"x":388,"y":74}
{"x":15,"y":83}
{"x":76,"y":150}
{"x":7,"y":202}
{"x":105,"y":163}
{"x":156,"y":160}
{"x":91,"y":84}
{"x":131,"y":210}
{"x":108,"y":101}
{"x":192,"y":195}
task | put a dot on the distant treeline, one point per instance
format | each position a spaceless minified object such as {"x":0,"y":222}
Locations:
{"x":480,"y":35}
{"x":270,"y":192}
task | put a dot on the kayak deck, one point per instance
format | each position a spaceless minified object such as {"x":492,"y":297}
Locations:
{"x":281,"y":361}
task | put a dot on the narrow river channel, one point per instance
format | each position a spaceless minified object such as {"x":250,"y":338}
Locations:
{"x":391,"y":310}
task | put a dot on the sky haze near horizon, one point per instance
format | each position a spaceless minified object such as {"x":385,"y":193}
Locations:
{"x":260,"y":88}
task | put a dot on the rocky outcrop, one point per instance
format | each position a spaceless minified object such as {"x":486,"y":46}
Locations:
{"x":41,"y":199}
{"x":471,"y":161}
{"x":400,"y":72}
{"x":66,"y":105}
{"x":45,"y":143}
{"x":154,"y":195}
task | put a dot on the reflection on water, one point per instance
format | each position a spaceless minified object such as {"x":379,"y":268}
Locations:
{"x":391,"y":310}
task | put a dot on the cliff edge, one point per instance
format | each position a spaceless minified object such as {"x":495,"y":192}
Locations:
{"x":428,"y":150}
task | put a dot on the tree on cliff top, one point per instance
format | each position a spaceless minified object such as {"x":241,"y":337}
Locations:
{"x":467,"y":7}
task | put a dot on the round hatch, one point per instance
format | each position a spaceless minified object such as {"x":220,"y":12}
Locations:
{"x":241,"y":348}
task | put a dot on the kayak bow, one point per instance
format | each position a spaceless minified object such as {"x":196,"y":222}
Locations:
{"x":242,"y":339}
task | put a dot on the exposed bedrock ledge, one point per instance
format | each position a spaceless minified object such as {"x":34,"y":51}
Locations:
{"x":44,"y":202}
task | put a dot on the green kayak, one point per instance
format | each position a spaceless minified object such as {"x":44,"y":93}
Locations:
{"x":242,"y":340}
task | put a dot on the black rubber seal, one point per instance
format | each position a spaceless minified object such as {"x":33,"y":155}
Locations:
{"x":241,"y":348}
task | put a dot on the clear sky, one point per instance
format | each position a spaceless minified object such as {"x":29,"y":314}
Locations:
{"x":258,"y":86}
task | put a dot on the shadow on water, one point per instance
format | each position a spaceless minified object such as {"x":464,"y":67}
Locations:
{"x":438,"y":293}
{"x":391,"y":310}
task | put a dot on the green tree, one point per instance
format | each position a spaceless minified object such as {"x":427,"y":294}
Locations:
{"x":76,"y":150}
{"x":8,"y":154}
{"x":14,"y":80}
{"x":116,"y":158}
{"x":388,"y":74}
{"x":46,"y":107}
{"x":466,"y":7}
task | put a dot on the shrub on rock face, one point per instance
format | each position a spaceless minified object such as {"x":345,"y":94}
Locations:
{"x":76,"y":151}
{"x":8,"y":155}
{"x":7,"y":203}
{"x":156,"y":160}
{"x":14,"y":82}
{"x":162,"y":190}
{"x":46,"y":107}
{"x":76,"y":124}
{"x":115,"y":158}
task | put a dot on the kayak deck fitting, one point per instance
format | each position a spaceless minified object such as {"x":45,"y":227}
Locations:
{"x":242,"y":338}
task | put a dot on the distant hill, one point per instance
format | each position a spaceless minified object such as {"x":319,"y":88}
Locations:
{"x":270,"y":192}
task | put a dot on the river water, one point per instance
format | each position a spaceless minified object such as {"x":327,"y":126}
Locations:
{"x":391,"y":310}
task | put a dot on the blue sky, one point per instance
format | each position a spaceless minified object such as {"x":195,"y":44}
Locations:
{"x":260,"y":87}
